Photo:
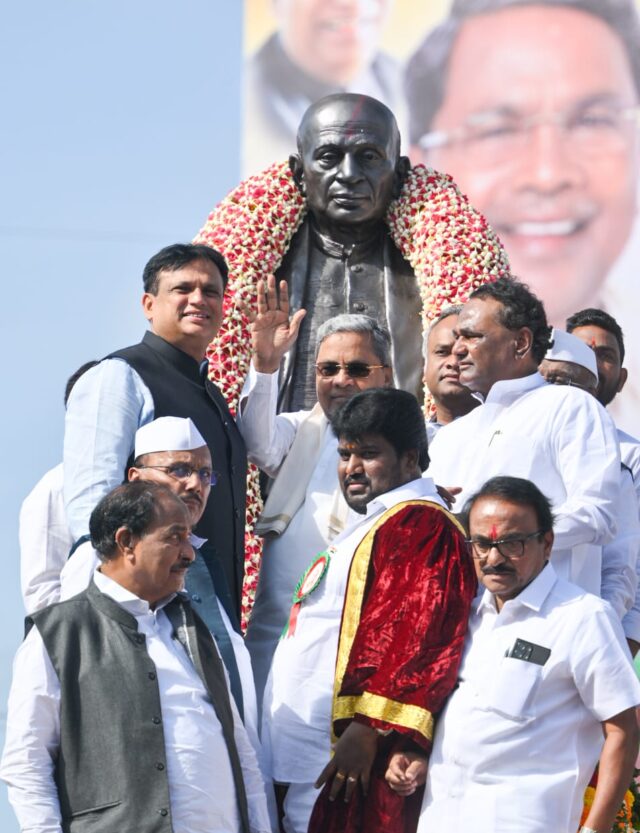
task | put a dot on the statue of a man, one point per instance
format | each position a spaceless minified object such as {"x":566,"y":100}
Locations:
{"x":342,"y":259}
{"x":336,"y":223}
{"x":351,"y":228}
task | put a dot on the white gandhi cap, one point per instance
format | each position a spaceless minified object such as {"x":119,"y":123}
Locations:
{"x":168,"y":434}
{"x":569,"y":348}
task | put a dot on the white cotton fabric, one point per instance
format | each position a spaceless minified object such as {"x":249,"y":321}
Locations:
{"x":518,"y":742}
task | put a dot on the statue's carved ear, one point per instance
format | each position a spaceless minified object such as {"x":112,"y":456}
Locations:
{"x":403,"y":166}
{"x":295,"y":165}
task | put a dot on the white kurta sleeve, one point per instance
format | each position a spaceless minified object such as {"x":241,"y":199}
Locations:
{"x":601,"y":664}
{"x":45,"y":541}
{"x":586,"y":453}
{"x":32,"y":739}
{"x":106,"y":407}
{"x":620,"y":556}
{"x":267,"y":435}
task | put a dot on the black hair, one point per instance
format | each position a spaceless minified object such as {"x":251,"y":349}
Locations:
{"x":592,"y":317}
{"x":515,"y":490}
{"x":177,"y":256}
{"x":520,"y":308}
{"x":75,"y":376}
{"x":132,"y":505}
{"x":393,"y":414}
{"x":426,"y":73}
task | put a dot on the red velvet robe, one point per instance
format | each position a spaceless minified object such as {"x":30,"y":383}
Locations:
{"x":410,"y":587}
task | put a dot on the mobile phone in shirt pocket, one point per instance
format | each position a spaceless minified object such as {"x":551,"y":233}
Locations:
{"x":511,"y":690}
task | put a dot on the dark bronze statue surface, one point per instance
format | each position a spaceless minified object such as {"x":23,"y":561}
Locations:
{"x":342,"y":259}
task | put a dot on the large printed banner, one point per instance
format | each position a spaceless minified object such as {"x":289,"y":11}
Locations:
{"x":532,"y":108}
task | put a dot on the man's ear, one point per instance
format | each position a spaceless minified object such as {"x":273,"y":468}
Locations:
{"x":147,"y":305}
{"x":124,"y":540}
{"x":524,"y":343}
{"x":547,"y":539}
{"x":297,"y":171}
{"x":133,"y":474}
{"x":403,"y":166}
{"x":623,"y":379}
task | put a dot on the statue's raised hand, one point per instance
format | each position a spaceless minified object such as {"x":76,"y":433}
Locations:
{"x":272,"y":332}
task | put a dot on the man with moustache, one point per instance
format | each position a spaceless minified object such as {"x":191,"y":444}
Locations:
{"x":558,"y":437}
{"x":545,"y":690}
{"x":540,"y":131}
{"x":372,"y":645}
{"x":442,"y":375}
{"x":164,"y":375}
{"x":119,"y":714}
{"x":171,"y":451}
{"x":305,"y":509}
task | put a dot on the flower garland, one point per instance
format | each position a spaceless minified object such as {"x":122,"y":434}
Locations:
{"x":448,"y":243}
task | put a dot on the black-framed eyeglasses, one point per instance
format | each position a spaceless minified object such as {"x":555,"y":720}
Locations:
{"x":183,"y":471}
{"x":355,"y":370}
{"x":511,"y":547}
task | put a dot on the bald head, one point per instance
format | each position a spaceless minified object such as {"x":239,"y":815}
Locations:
{"x":358,"y":112}
{"x":348,"y":165}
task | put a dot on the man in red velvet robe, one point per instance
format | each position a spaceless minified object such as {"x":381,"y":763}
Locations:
{"x":375,"y":635}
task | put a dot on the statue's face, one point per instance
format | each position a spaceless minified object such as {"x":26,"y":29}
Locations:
{"x":347,"y":169}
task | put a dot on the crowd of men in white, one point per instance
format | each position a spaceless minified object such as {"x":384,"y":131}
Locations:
{"x":519,"y":738}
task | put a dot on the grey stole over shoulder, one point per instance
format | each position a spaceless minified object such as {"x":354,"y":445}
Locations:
{"x":110,"y":767}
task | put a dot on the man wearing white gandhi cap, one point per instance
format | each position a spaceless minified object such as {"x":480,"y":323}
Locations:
{"x":569,"y":361}
{"x":171,"y":451}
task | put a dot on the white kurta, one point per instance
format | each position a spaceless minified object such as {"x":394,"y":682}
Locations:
{"x":560,"y":438}
{"x":201,"y":785}
{"x":45,"y":541}
{"x":285,"y":557}
{"x":518,"y":742}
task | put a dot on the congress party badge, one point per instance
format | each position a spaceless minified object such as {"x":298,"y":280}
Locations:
{"x":311,"y":578}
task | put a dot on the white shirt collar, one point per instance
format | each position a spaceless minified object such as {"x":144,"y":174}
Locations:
{"x":422,"y":487}
{"x":508,"y":390}
{"x":196,"y":541}
{"x":125,"y":598}
{"x":533,"y":596}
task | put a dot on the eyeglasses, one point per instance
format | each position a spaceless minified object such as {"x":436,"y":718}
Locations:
{"x":183,"y":471}
{"x":511,"y":547}
{"x":559,"y":379}
{"x":592,"y":130}
{"x":354,"y":370}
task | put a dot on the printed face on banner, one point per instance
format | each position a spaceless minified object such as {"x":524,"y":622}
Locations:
{"x":331,"y":40}
{"x":540,"y":131}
